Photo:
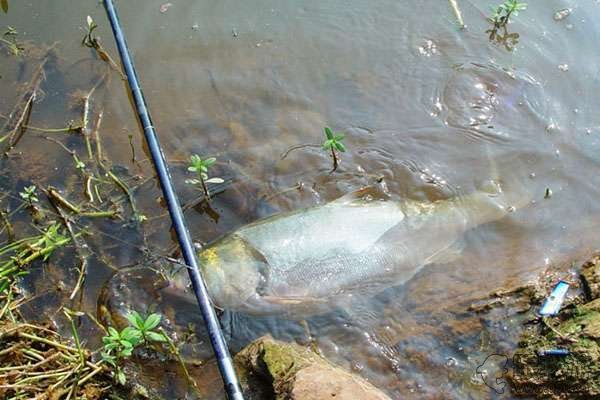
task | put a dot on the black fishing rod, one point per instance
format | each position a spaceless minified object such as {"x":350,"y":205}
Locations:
{"x":217,"y":340}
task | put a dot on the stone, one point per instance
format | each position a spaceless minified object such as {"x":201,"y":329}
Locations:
{"x":269,"y":368}
{"x":590,"y":277}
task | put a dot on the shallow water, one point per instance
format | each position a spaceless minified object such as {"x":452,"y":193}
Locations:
{"x":434,"y":110}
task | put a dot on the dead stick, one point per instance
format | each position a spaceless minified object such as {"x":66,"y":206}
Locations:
{"x":458,"y":14}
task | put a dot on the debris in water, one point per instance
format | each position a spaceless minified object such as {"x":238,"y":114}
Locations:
{"x":428,"y":49}
{"x":553,"y":352}
{"x":562,"y":14}
{"x":195,"y":27}
{"x":555,"y":300}
{"x":548,"y":193}
{"x":563,"y":67}
{"x":234,"y":32}
{"x":164,"y":7}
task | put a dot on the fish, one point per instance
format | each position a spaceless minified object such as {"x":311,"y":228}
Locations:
{"x":311,"y":260}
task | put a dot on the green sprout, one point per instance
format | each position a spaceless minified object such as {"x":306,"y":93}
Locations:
{"x":118,"y":346}
{"x":200,"y":167}
{"x":333,"y":143}
{"x":500,"y":19}
{"x":28,"y":195}
{"x":89,"y":40}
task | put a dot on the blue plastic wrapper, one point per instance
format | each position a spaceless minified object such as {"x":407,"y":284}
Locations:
{"x":554,"y":302}
{"x":553,"y":352}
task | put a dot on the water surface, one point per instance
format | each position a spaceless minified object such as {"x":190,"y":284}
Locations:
{"x":434,"y":110}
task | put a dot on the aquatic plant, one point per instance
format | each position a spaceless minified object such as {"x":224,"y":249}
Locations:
{"x":333,"y":143}
{"x":118,"y":346}
{"x":28,"y":194}
{"x":200,"y":167}
{"x":93,"y":42}
{"x":15,"y":256}
{"x":10,"y":40}
{"x":500,"y":19}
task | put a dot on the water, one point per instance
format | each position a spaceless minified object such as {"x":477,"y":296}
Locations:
{"x":433,"y":110}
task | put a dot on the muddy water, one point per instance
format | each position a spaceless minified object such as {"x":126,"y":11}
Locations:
{"x":434,"y":110}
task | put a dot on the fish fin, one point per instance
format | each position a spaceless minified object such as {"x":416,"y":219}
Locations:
{"x":291,"y":300}
{"x":447,"y":255}
{"x":363,"y":195}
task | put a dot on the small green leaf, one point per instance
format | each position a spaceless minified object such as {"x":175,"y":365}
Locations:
{"x":209,"y":161}
{"x":215,"y":180}
{"x":340,"y":146}
{"x":152,"y":321}
{"x":113,"y":332}
{"x":135,"y":319}
{"x":127,"y":351}
{"x":339,"y":136}
{"x":192,"y":169}
{"x":156,"y":337}
{"x":131,"y":334}
{"x":328,"y":133}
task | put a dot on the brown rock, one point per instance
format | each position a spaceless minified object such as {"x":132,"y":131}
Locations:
{"x":272,"y":369}
{"x":590,"y":276}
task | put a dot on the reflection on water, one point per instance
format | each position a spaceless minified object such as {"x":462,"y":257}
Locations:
{"x":432,"y":109}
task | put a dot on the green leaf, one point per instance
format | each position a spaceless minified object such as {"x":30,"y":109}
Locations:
{"x":192,"y":169}
{"x":339,"y":136}
{"x":328,"y":144}
{"x":127,"y":351}
{"x":5,"y":6}
{"x":340,"y":146}
{"x":156,"y":337}
{"x":209,"y":161}
{"x":135,"y":319}
{"x":215,"y":180}
{"x":328,"y":133}
{"x":114,"y":334}
{"x":131,"y":334}
{"x":152,"y":321}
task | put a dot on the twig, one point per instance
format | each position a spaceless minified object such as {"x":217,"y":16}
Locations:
{"x":296,"y":147}
{"x":18,"y":117}
{"x":458,"y":14}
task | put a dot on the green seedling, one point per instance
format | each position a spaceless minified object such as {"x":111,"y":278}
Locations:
{"x":118,"y":346}
{"x":500,"y":19}
{"x":333,"y":143}
{"x":89,"y":40}
{"x":28,"y":194}
{"x":200,"y":168}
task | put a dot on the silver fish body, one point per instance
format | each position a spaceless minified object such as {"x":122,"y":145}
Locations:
{"x":310,"y":260}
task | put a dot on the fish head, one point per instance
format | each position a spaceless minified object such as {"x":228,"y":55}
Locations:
{"x":234,"y":272}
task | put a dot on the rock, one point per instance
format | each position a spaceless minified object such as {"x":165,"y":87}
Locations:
{"x":590,"y":276}
{"x":272,"y":369}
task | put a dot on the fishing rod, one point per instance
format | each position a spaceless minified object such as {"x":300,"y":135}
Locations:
{"x":232,"y":386}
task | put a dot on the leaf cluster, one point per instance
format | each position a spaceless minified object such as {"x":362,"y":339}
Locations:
{"x":117,"y":346}
{"x":333,"y":141}
{"x":200,"y":167}
{"x":500,"y":19}
{"x":28,"y":194}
